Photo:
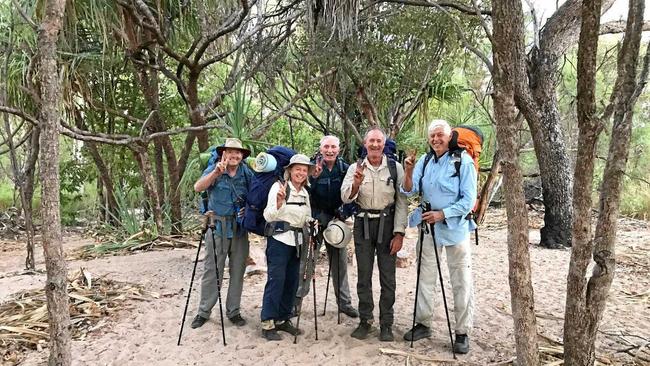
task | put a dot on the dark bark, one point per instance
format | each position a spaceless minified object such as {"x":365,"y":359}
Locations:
{"x":538,"y":102}
{"x":111,"y":209}
{"x":50,"y":92}
{"x":148,"y":185}
{"x":509,"y":67}
{"x":587,"y":293}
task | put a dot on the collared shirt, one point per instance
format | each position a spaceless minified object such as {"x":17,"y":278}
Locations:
{"x":455,"y":196}
{"x":377,"y":192}
{"x":296,"y":215}
{"x":326,"y":189}
{"x":227,"y":194}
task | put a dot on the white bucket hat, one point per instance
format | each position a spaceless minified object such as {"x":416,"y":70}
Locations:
{"x":337,"y":234}
{"x":299,"y":159}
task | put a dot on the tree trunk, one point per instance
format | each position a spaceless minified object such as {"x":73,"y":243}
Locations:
{"x":541,"y":111}
{"x":107,"y":182}
{"x":508,"y":66}
{"x":488,"y":188}
{"x":141,"y":156}
{"x":50,"y":91}
{"x":587,"y":295}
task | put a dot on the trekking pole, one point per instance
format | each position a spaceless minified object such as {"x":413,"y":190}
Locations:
{"x":327,"y":288}
{"x":189,"y":292}
{"x":313,"y":276}
{"x":417,"y":278}
{"x":216,"y":265}
{"x":299,"y":307}
{"x":442,"y":287}
{"x":338,"y":283}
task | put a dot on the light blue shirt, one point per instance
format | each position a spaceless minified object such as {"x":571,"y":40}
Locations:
{"x":455,"y":196}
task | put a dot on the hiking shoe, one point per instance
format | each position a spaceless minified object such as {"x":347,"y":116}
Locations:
{"x":287,"y":326}
{"x":271,"y":335}
{"x":198,"y":321}
{"x":362,"y":330}
{"x":350,"y":311}
{"x":418,"y":332}
{"x":461,"y":344}
{"x":386,"y":334}
{"x":238,"y":320}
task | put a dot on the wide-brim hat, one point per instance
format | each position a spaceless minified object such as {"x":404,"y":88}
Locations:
{"x":300,"y":159}
{"x":233,"y":143}
{"x":337,"y":234}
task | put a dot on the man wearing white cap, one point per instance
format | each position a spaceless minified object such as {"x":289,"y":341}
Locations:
{"x":326,"y":184}
{"x":227,"y":182}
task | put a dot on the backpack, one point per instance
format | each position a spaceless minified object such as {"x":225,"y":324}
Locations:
{"x":463,"y":138}
{"x":259,"y":188}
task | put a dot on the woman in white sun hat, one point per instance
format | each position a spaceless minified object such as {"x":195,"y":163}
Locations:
{"x":287,"y":213}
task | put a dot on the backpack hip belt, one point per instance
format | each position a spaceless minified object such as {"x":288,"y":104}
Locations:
{"x":364,"y":214}
{"x":279,"y":227}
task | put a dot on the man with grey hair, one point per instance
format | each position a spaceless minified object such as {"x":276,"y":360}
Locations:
{"x":378,"y":229}
{"x":451,"y":195}
{"x":325,"y":202}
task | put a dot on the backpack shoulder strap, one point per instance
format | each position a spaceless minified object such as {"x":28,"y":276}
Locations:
{"x":392,"y":169}
{"x":458,"y":158}
{"x":427,"y":158}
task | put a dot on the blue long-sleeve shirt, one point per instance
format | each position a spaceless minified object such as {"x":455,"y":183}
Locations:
{"x":454,"y":196}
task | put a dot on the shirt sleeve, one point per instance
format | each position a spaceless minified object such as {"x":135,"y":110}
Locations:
{"x":467,"y":187}
{"x":401,"y":206}
{"x":417,"y":173}
{"x":346,"y":187}
{"x":271,"y":211}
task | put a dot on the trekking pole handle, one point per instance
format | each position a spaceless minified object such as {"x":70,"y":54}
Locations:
{"x":210,"y":218}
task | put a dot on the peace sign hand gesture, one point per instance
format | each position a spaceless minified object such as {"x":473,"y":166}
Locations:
{"x":282,"y":194}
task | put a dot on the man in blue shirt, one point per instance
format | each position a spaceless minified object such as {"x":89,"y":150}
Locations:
{"x":325,"y":200}
{"x":452,"y":197}
{"x":227,"y":182}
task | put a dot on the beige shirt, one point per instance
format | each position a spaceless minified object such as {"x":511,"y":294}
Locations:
{"x":377,"y":191}
{"x":295,"y":215}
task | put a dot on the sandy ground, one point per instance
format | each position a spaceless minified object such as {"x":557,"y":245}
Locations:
{"x":145,"y":333}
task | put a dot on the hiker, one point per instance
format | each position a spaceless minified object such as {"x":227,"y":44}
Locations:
{"x":451,"y":197}
{"x":287,"y":214}
{"x":378,"y":227}
{"x":326,"y":182}
{"x":226,"y":182}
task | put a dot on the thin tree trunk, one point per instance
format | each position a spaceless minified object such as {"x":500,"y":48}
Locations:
{"x":112,"y":214}
{"x":488,"y":187}
{"x":508,"y":67}
{"x":149,"y":187}
{"x":50,"y":92}
{"x":587,"y":295}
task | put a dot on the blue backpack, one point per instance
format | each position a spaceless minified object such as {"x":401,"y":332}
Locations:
{"x":260,"y":186}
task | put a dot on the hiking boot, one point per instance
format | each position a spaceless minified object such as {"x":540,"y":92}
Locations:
{"x":362,"y":330}
{"x":350,"y":311}
{"x":418,"y":332}
{"x":271,"y":335}
{"x":386,"y":334}
{"x":198,"y":321}
{"x":461,"y":344}
{"x":287,"y":326}
{"x":238,"y":320}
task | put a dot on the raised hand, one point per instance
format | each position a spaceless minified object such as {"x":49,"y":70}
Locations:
{"x":359,"y":174}
{"x":319,"y":167}
{"x":410,"y":160}
{"x":221,"y":166}
{"x":282,"y":193}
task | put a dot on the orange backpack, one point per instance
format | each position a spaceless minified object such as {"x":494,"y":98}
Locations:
{"x":468,"y":138}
